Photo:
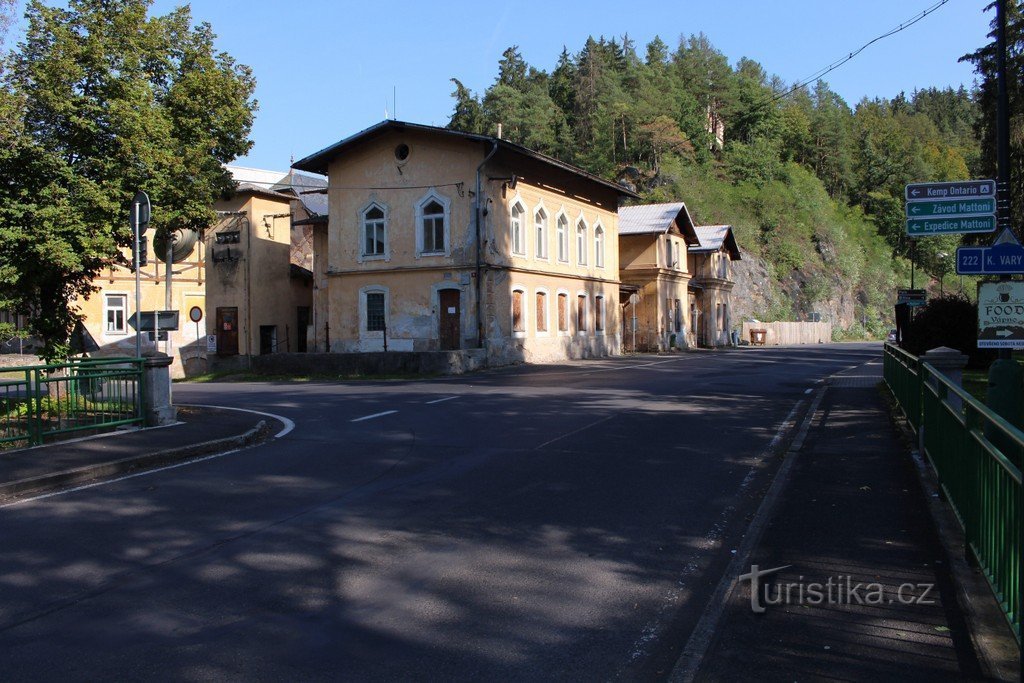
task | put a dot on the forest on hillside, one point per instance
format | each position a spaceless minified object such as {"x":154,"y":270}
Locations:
{"x":812,"y":185}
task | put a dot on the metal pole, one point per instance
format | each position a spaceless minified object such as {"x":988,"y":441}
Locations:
{"x":138,"y":296}
{"x":168,"y":259}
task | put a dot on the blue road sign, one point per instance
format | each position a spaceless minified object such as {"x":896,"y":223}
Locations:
{"x":1002,"y":259}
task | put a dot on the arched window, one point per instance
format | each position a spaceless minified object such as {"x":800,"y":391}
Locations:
{"x":540,"y":221}
{"x":562,"y":237}
{"x":433,"y":225}
{"x":374,"y":231}
{"x":599,"y":246}
{"x":518,"y":311}
{"x":518,"y":233}
{"x":581,"y":242}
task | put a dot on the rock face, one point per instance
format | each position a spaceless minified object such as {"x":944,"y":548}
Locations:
{"x":758,"y":294}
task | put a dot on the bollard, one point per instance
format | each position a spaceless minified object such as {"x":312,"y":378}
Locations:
{"x":157,"y":405}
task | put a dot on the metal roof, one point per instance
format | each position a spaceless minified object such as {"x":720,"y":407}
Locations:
{"x":283,"y":184}
{"x":317,"y":162}
{"x":645,"y":219}
{"x":714,"y":237}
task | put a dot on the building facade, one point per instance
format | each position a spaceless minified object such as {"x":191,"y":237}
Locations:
{"x":442,"y":240}
{"x":711,"y":285}
{"x":653,"y":258}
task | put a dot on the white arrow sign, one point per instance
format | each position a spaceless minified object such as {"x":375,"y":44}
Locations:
{"x":1003,"y":333}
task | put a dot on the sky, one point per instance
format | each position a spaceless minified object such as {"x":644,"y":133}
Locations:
{"x":327,"y":69}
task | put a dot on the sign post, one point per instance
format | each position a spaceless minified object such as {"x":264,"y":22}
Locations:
{"x":961,"y":206}
{"x":138,"y":218}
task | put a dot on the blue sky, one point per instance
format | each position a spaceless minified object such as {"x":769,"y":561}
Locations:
{"x":328,"y":69}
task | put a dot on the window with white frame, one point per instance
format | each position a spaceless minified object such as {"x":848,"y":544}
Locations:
{"x":374,"y":235}
{"x":581,"y":242}
{"x":542,"y":312}
{"x":581,"y":314}
{"x":518,"y":312}
{"x":376,"y":311}
{"x":562,"y":237}
{"x":563,"y":312}
{"x":115,"y":307}
{"x":518,"y":231}
{"x":599,"y":246}
{"x":540,"y":222}
{"x":433,"y":225}
{"x":599,"y":314}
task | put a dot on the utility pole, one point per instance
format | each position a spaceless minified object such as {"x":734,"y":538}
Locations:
{"x":1005,"y":377}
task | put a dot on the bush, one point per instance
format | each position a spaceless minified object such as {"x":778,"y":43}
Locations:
{"x":950,"y":321}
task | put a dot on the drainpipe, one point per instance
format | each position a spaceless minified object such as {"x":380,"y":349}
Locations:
{"x":479,"y":248}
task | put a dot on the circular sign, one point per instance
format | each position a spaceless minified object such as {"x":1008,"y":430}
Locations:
{"x":195,"y":314}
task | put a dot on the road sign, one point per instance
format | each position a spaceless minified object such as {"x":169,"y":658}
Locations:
{"x":195,"y":314}
{"x":1001,"y":315}
{"x":922,"y":227}
{"x":166,"y":320}
{"x":1004,"y":257}
{"x":211,"y":343}
{"x":957,"y":189}
{"x":952,"y":208}
{"x":142,"y":214}
{"x":911,"y":297}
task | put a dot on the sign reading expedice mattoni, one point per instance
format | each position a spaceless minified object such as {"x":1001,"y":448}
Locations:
{"x":1001,"y":315}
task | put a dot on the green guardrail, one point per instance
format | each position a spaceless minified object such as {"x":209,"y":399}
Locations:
{"x":976,"y":456}
{"x":43,"y":403}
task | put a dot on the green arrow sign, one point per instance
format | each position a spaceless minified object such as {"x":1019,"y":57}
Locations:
{"x":917,"y":227}
{"x":949,"y":208}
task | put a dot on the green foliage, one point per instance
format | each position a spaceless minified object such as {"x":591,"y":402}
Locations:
{"x":104,"y":101}
{"x":950,"y":321}
{"x":809,"y":184}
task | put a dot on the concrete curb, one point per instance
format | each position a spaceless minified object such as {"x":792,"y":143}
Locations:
{"x":990,"y":633}
{"x":113,"y":468}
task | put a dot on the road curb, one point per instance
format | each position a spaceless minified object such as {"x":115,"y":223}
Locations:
{"x":112,"y":468}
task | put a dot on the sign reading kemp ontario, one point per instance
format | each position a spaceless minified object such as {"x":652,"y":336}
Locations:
{"x":1001,"y":315}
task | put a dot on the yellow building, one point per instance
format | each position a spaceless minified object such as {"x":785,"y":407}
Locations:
{"x":653,"y":243}
{"x":711,"y":298}
{"x":106,"y":312}
{"x":443,"y":240}
{"x":681,"y":275}
{"x":259,"y":283}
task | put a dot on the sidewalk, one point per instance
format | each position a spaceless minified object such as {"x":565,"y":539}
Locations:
{"x":64,"y":463}
{"x":852,"y":511}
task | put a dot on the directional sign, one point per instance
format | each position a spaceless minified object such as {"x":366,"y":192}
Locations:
{"x":923,"y":227}
{"x":958,"y":189}
{"x":911,"y":297}
{"x":1001,"y":315}
{"x":961,"y":206}
{"x":1004,"y":257}
{"x":166,"y":320}
{"x":952,"y":208}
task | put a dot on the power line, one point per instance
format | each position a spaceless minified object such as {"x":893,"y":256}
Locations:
{"x":838,"y":63}
{"x":317,"y":189}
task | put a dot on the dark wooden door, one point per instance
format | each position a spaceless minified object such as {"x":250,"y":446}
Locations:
{"x":227,"y":331}
{"x":301,"y":328}
{"x":450,"y":319}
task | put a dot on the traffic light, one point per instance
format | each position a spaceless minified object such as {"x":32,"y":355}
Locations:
{"x":143,"y":252}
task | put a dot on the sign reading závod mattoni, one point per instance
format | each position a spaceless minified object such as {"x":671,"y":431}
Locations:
{"x":1001,"y":315}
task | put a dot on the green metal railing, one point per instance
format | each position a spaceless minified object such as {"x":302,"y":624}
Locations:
{"x":43,"y":402}
{"x":977,"y":458}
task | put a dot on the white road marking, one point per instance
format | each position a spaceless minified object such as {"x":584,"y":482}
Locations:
{"x":145,"y":473}
{"x":809,"y":391}
{"x":288,"y":424}
{"x":370,"y":417}
{"x":575,"y":431}
{"x":441,"y":400}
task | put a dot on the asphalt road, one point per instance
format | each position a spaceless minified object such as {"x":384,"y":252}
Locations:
{"x":561,"y":522}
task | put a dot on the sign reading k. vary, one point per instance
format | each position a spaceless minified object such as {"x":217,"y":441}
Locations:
{"x":1001,"y":315}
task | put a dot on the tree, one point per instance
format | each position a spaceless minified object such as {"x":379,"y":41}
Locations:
{"x":108,"y":101}
{"x":468,"y":115}
{"x":984,"y":61}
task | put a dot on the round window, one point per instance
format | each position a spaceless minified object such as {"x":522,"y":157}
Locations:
{"x":402,"y":152}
